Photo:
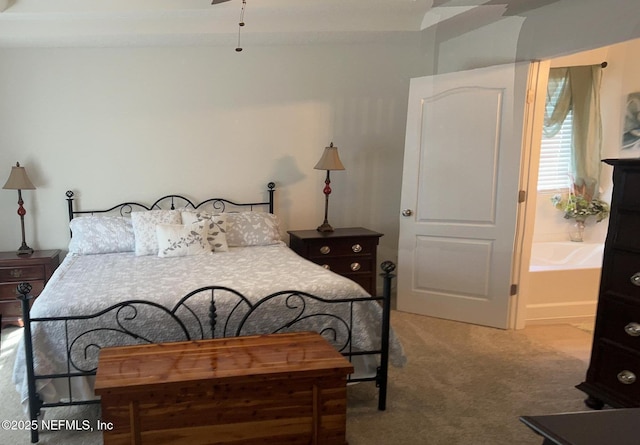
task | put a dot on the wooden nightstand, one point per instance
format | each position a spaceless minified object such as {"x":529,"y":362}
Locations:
{"x":350,"y":252}
{"x":36,"y":269}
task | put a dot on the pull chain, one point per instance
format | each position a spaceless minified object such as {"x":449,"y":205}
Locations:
{"x":241,"y":24}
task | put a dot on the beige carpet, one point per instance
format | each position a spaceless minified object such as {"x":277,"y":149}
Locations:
{"x":463,"y":384}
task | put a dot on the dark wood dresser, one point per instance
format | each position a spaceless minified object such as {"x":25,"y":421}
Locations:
{"x":613,"y":377}
{"x":350,"y":252}
{"x":36,"y":269}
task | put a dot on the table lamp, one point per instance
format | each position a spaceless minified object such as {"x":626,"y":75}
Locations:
{"x":18,"y":180}
{"x":329,"y":161}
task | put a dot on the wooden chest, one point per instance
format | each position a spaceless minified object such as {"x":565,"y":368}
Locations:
{"x":279,"y":388}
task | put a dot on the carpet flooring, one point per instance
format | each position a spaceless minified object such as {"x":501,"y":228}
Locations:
{"x":462,"y":384}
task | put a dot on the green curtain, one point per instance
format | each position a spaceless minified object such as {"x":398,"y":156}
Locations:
{"x":558,"y":101}
{"x":578,"y":89}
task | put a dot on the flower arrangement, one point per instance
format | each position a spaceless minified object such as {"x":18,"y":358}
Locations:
{"x":579,"y":207}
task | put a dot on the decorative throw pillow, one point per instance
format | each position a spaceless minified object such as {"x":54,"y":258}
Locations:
{"x":144,"y":228}
{"x":216,"y":225}
{"x":182,"y":240}
{"x":101,"y":234}
{"x":252,"y":229}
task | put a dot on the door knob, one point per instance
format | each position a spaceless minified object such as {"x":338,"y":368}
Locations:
{"x":407,"y":212}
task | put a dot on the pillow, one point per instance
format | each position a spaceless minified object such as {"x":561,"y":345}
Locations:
{"x":216,"y":224}
{"x":252,"y":229}
{"x":144,"y":228}
{"x":101,"y":234}
{"x":182,"y":240}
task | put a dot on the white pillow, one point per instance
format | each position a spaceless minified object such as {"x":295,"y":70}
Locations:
{"x":182,"y":240}
{"x":144,"y":228}
{"x":252,"y":229}
{"x":101,"y":234}
{"x":216,"y":224}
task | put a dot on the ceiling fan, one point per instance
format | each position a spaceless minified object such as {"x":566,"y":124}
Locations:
{"x":240,"y":24}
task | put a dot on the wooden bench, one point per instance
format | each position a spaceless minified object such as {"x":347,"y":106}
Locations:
{"x":280,"y":388}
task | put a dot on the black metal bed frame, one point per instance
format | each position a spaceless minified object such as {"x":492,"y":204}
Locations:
{"x":123,"y":315}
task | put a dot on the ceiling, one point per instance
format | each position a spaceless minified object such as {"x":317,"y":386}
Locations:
{"x":142,"y":22}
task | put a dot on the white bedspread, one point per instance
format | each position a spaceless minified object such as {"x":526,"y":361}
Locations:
{"x":87,"y":284}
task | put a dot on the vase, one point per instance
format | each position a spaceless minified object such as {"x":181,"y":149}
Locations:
{"x":576,"y":231}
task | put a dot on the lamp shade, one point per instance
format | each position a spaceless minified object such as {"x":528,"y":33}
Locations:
{"x":18,"y":179}
{"x":330,"y":159}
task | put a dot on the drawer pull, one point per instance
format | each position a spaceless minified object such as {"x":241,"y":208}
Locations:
{"x":357,"y":248}
{"x":635,"y":279}
{"x":15,"y":273}
{"x":325,"y":250}
{"x":355,"y":267}
{"x":326,"y":266}
{"x":633,"y":329}
{"x":626,"y":377}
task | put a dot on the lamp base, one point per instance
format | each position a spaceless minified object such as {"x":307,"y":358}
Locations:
{"x":325,"y":227}
{"x":24,"y":250}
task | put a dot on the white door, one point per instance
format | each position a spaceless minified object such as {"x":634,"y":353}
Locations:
{"x":460,"y":194}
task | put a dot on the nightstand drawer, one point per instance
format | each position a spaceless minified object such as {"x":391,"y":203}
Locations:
{"x":345,"y":265}
{"x":21,"y":273}
{"x":9,"y":291}
{"x":12,"y":311}
{"x":338,"y":247}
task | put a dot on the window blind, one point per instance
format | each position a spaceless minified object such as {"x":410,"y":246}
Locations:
{"x":555,"y":158}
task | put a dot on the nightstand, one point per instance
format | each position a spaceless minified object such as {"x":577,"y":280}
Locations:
{"x":36,"y":269}
{"x":350,"y":252}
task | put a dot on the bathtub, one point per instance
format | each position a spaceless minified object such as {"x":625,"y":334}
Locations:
{"x":563,"y":281}
{"x":565,"y":255}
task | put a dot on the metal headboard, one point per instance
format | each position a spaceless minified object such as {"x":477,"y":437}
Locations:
{"x":171,"y":202}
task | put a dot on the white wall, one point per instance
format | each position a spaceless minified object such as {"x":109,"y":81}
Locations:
{"x":123,"y":123}
{"x":117,"y":124}
{"x":494,"y":44}
{"x":561,"y":28}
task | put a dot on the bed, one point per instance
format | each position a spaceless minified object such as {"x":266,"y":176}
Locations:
{"x":176,"y":270}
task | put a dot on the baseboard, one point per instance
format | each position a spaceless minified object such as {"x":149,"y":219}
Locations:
{"x":554,"y":313}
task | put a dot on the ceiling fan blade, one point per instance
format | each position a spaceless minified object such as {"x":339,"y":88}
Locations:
{"x":216,"y":2}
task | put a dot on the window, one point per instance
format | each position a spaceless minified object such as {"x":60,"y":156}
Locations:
{"x":555,"y":159}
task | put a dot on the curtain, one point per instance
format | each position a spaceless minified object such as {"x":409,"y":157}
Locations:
{"x":558,"y":101}
{"x":578,"y":89}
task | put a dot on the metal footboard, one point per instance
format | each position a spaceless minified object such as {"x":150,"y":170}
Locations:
{"x":119,"y":324}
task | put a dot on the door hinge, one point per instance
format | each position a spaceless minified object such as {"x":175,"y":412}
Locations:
{"x":522,"y":196}
{"x":514,"y":290}
{"x":530,"y":96}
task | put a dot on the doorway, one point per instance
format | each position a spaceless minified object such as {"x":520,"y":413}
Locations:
{"x":577,"y":305}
